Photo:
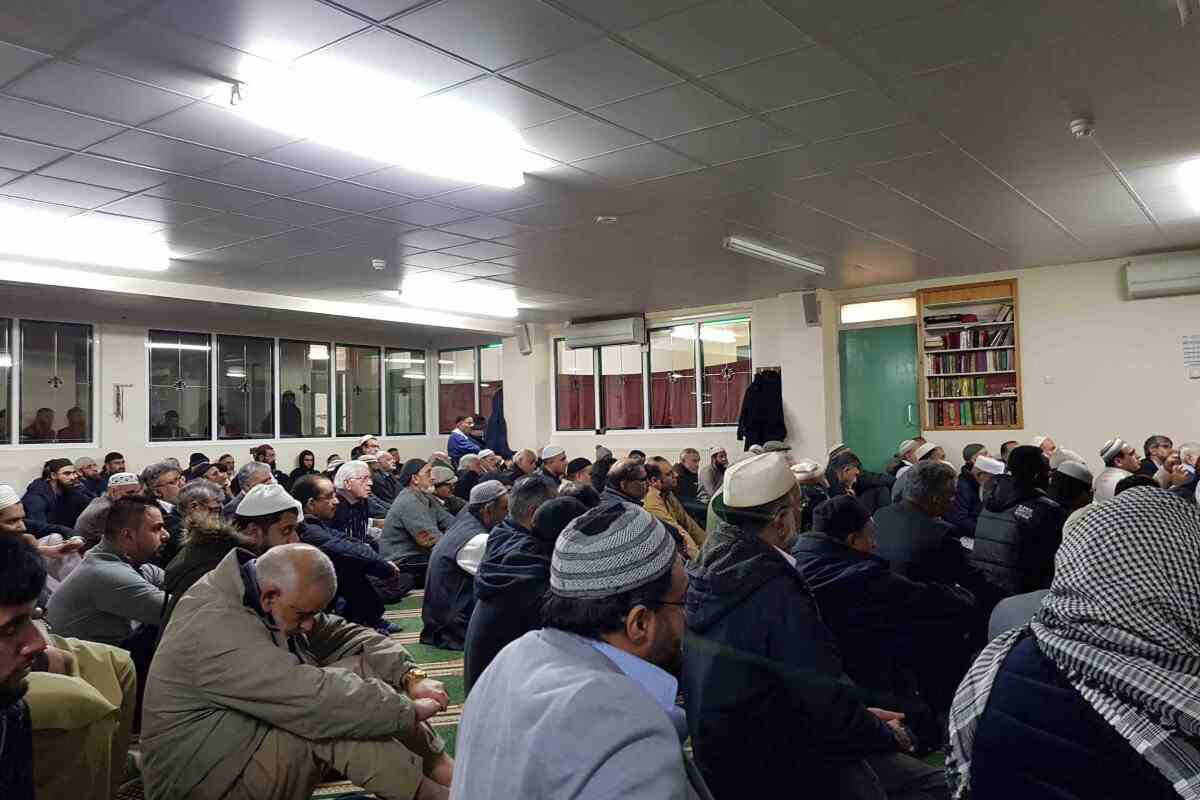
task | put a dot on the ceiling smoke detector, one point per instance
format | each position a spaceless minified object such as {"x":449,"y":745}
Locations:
{"x":606,"y":220}
{"x":1082,"y":127}
{"x":378,"y":263}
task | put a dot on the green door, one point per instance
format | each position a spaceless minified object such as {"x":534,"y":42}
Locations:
{"x":879,"y":391}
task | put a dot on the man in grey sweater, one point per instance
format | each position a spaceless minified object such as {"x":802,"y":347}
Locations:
{"x":90,"y":524}
{"x":585,"y":708}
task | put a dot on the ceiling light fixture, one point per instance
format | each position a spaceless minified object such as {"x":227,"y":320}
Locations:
{"x":372,"y":115}
{"x":706,"y":335}
{"x":169,"y":346}
{"x":6,"y":361}
{"x":318,"y":352}
{"x":434,"y":290}
{"x":748,"y":247}
{"x":85,"y":239}
{"x":606,"y":220}
{"x":1188,"y":177}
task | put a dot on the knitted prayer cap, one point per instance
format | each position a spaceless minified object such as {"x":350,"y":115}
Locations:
{"x":8,"y":496}
{"x":608,"y":551}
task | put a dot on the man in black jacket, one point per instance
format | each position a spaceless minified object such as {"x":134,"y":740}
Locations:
{"x":54,"y":501}
{"x":450,"y":581}
{"x":967,"y":503}
{"x":768,"y":701}
{"x":1020,"y":527}
{"x":892,"y":632}
{"x":1156,"y":448}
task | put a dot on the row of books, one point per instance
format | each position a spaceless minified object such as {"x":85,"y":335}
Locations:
{"x":970,"y":337}
{"x":967,"y":413}
{"x":972,"y":387}
{"x":983,"y":361}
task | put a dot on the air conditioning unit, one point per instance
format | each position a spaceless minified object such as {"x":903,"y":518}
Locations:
{"x":1163,"y":275}
{"x":631,"y":330}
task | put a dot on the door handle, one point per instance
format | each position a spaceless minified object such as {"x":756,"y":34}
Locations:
{"x":908,"y":413}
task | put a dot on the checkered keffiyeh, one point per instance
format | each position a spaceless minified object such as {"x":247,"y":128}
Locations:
{"x":1122,"y":623}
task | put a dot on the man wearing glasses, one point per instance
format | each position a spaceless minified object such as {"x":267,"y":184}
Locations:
{"x":164,"y":481}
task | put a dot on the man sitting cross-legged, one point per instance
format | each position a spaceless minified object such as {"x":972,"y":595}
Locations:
{"x":255,"y":692}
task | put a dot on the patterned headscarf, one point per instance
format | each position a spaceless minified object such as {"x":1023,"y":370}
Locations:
{"x":1122,"y":623}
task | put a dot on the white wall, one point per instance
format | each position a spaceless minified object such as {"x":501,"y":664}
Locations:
{"x":1093,"y":364}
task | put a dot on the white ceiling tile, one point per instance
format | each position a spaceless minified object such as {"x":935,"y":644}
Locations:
{"x":716,"y":36}
{"x":158,"y":209}
{"x":841,"y":115}
{"x":101,"y":172}
{"x":251,"y":174}
{"x":363,"y":227}
{"x":490,"y":199}
{"x":20,"y":205}
{"x":379,"y":9}
{"x":320,"y":158}
{"x":432,"y":240}
{"x":484,"y":228}
{"x":275,"y":29}
{"x":493,"y":34}
{"x":592,"y":75}
{"x":670,"y":111}
{"x":216,"y":125}
{"x":1108,"y":204}
{"x":509,"y":102}
{"x":294,"y":212}
{"x":55,"y":24}
{"x":617,"y":15}
{"x":206,"y":193}
{"x":15,"y":60}
{"x":97,"y":93}
{"x":481,"y":250}
{"x":506,"y":262}
{"x":395,"y":57}
{"x":482,"y":269}
{"x":407,"y":182}
{"x":155,"y":151}
{"x":424,"y":213}
{"x":730,"y":142}
{"x":807,"y":74}
{"x":435,"y":260}
{"x":576,"y":137}
{"x":7,"y":175}
{"x":130,"y":225}
{"x":638,"y":163}
{"x":25,"y":156}
{"x":348,"y":197}
{"x":67,"y":193}
{"x":29,"y":121}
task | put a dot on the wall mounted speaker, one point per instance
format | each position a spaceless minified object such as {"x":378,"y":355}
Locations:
{"x":812,"y":309}
{"x":524,"y":344}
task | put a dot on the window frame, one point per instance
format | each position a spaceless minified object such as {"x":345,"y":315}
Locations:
{"x":273,"y":347}
{"x":279,"y":342}
{"x":474,"y":350}
{"x":388,"y":349}
{"x":14,"y":409}
{"x":212,"y":349}
{"x":700,"y":365}
{"x":336,"y":407}
{"x":8,"y":390}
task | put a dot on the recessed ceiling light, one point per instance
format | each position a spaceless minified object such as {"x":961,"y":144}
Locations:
{"x":748,"y":247}
{"x":435,"y":290}
{"x":1188,"y":176}
{"x":85,"y":239}
{"x":606,"y":220}
{"x":378,"y":263}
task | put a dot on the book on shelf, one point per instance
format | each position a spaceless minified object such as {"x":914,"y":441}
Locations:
{"x":972,"y":413}
{"x":969,"y":337}
{"x":977,"y":386}
{"x":980,"y":361}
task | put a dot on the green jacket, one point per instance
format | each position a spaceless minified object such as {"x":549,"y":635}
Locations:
{"x":221,"y":679}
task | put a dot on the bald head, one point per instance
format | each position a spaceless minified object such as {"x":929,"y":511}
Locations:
{"x":296,"y":582}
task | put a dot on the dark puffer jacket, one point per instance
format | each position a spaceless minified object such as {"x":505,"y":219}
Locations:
{"x":1018,"y":533}
{"x":767,"y":699}
{"x":966,"y":505}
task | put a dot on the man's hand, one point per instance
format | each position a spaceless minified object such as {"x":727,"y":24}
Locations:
{"x":894,"y":720}
{"x":60,"y":662}
{"x":1180,"y":476}
{"x":426,"y":708}
{"x":429,"y":689}
{"x":57,"y":551}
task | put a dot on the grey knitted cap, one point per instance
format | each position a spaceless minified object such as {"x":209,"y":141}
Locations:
{"x":610,"y":550}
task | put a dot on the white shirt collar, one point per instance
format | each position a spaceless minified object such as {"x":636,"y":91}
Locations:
{"x":790,"y":558}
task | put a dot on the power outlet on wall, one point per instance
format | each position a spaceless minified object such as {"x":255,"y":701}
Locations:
{"x":1194,"y":373}
{"x":1048,"y":379}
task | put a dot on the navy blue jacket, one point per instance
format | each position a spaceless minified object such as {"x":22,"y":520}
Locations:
{"x":1038,"y":739}
{"x":449,"y":589}
{"x":966,"y":505}
{"x":356,"y":601}
{"x":47,"y":512}
{"x":495,"y":437}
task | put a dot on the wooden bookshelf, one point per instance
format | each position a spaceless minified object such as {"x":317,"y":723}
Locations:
{"x":977,"y":387}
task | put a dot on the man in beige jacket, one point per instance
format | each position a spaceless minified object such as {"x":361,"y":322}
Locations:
{"x":663,"y":504}
{"x":255,"y":692}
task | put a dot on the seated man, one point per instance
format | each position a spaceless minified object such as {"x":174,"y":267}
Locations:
{"x":384,"y":487}
{"x":470,"y":473}
{"x":415,"y":522}
{"x":355,"y":563}
{"x":251,"y":474}
{"x":450,"y":584}
{"x":661,"y":501}
{"x":352,"y":515}
{"x":115,"y":595}
{"x":968,"y":500}
{"x":54,"y":501}
{"x":894,"y":634}
{"x":59,"y":556}
{"x":89,"y":476}
{"x":461,"y":441}
{"x":554,"y":464}
{"x":90,"y":524}
{"x":256,"y":693}
{"x":767,"y":697}
{"x":266,"y":517}
{"x":523,"y":463}
{"x":443,"y":479}
{"x":585,"y":707}
{"x":164,"y":481}
{"x":1120,"y":461}
{"x":514,"y":574}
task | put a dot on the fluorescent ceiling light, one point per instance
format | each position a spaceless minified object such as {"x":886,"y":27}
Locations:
{"x":373,"y":115}
{"x":416,"y":376}
{"x":84,"y":239}
{"x":1188,"y":176}
{"x":434,"y":290}
{"x":444,"y":361}
{"x":235,"y":372}
{"x":707,"y":334}
{"x":318,"y":352}
{"x":5,"y":360}
{"x":167,"y":346}
{"x":879,"y":310}
{"x":762,"y":252}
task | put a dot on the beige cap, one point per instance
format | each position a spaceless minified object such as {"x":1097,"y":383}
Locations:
{"x":757,"y":481}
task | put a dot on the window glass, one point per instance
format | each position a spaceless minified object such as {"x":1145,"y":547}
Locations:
{"x":304,"y":389}
{"x":358,"y":376}
{"x":180,"y":386}
{"x":575,"y":388}
{"x":6,"y":363}
{"x":245,"y":388}
{"x":456,"y":386}
{"x":405,"y":392}
{"x":491,"y":377}
{"x":621,"y":386}
{"x":56,"y":382}
{"x":673,"y":377}
{"x":725,"y":359}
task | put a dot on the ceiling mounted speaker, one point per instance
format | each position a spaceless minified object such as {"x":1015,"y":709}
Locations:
{"x":524,"y":344}
{"x":812,"y":309}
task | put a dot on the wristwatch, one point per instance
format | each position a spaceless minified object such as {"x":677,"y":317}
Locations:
{"x":414,"y":675}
